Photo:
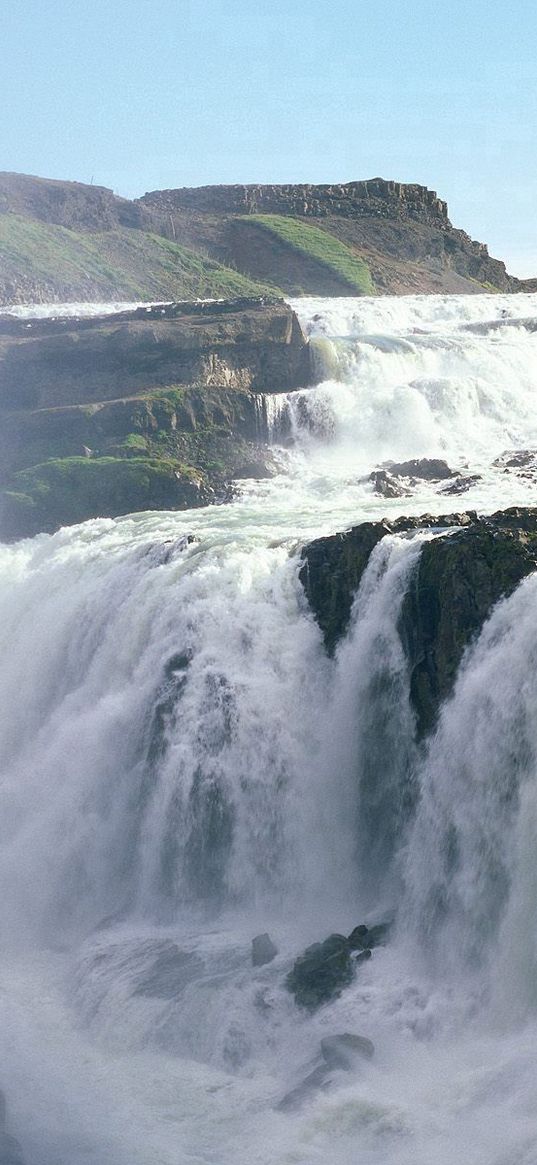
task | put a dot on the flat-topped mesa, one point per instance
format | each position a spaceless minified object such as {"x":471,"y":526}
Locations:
{"x":376,"y":198}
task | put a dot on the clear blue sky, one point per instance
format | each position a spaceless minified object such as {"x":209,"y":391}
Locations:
{"x":141,"y":94}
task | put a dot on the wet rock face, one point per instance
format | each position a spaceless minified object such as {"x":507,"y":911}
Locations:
{"x":461,"y":484}
{"x":459,"y":578}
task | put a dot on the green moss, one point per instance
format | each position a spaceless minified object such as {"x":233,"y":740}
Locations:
{"x":135,"y":441}
{"x":321,"y":246}
{"x":67,"y":490}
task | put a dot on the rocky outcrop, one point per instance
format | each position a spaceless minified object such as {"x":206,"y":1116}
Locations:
{"x":151,"y":409}
{"x":252,"y":344}
{"x":350,"y":200}
{"x":460,"y":576}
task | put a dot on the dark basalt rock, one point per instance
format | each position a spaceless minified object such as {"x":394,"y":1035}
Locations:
{"x":522,"y":462}
{"x":424,"y":468}
{"x":461,"y":484}
{"x":387,"y":485}
{"x":459,"y":578}
{"x":263,"y":950}
{"x":321,"y":973}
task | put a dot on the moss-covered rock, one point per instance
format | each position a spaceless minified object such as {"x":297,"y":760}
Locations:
{"x":71,"y":489}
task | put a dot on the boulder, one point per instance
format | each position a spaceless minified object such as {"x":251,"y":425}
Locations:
{"x":321,"y":973}
{"x":424,"y":468}
{"x":357,"y":939}
{"x":387,"y":485}
{"x":263,"y":950}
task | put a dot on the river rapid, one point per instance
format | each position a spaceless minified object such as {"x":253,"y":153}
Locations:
{"x":183,"y":767}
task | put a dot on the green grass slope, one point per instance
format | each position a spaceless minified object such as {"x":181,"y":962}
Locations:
{"x":40,"y":261}
{"x":320,"y":246}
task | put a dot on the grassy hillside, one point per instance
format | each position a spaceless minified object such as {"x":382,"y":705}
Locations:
{"x":39,"y":259}
{"x":320,"y":246}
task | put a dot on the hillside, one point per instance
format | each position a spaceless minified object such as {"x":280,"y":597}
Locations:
{"x":43,"y":261}
{"x":66,"y":240}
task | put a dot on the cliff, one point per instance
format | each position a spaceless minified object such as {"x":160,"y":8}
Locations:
{"x":461,"y":575}
{"x":156,"y":408}
{"x":66,"y":240}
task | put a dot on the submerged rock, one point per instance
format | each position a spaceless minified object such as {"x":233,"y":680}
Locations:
{"x":461,"y":484}
{"x":522,"y":462}
{"x":169,"y":973}
{"x":318,"y":1079}
{"x":342,"y":1051}
{"x":263,"y":950}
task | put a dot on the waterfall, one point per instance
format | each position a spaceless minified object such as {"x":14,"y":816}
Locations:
{"x":183,"y":766}
{"x":469,"y":864}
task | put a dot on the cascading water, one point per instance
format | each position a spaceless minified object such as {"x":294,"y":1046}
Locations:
{"x":183,"y":767}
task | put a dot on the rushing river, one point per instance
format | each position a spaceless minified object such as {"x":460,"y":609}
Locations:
{"x":182,"y":768}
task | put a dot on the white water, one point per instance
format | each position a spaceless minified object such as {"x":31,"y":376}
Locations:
{"x":183,"y":767}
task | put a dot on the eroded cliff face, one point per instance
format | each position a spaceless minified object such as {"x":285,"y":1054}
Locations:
{"x":376,"y":197}
{"x":460,"y":576}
